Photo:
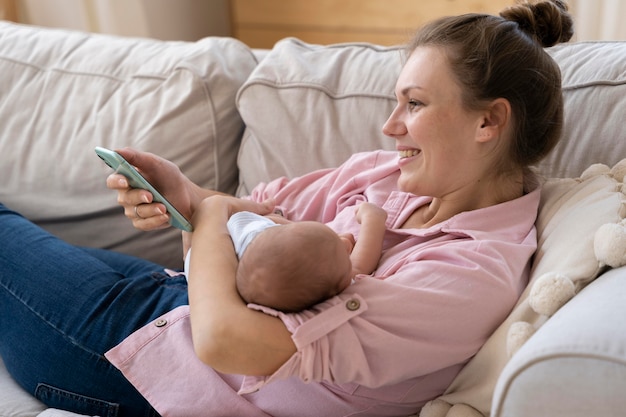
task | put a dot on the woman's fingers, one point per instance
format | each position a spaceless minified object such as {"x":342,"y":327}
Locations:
{"x":137,"y":204}
{"x":117,"y":182}
{"x":148,"y":216}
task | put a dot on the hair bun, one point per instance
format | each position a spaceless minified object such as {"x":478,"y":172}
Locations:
{"x":549,"y":21}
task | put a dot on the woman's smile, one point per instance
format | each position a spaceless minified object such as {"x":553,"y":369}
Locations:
{"x":407,"y":153}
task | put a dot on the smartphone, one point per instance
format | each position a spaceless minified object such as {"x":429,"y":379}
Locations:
{"x":136,"y":180}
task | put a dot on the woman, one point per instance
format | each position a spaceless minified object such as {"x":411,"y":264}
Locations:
{"x":478,"y":102}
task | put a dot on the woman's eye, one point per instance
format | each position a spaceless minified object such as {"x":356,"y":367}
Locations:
{"x":414,"y":104}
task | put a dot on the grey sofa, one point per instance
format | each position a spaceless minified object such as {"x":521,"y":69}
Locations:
{"x":230,"y":117}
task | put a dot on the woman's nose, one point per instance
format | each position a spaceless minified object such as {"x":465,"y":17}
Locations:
{"x":393,"y":127}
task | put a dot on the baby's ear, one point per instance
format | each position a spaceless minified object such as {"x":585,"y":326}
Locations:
{"x":496,"y":119}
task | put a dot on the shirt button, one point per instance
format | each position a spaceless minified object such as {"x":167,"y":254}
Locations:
{"x":353,"y":304}
{"x":160,"y":322}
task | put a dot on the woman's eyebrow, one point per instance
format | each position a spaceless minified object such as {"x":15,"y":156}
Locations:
{"x":405,"y":91}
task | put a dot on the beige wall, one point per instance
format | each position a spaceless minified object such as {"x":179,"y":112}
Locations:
{"x":161,"y":19}
{"x":599,"y":19}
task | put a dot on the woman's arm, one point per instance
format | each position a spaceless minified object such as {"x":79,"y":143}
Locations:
{"x":227,"y":335}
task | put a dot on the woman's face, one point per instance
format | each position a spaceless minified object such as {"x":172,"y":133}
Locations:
{"x":434,"y":133}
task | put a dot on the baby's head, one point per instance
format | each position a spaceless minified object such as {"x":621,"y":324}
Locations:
{"x":294,"y":266}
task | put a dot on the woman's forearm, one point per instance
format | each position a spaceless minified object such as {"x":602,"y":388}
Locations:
{"x":200,"y":194}
{"x":227,"y":335}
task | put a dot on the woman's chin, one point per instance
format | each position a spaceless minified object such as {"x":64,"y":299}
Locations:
{"x":408,"y":186}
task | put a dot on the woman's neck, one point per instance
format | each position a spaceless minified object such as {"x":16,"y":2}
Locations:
{"x":480,"y":195}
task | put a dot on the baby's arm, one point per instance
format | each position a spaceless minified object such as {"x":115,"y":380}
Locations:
{"x":368,"y":247}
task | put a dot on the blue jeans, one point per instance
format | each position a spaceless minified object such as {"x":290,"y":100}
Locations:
{"x":62,"y":307}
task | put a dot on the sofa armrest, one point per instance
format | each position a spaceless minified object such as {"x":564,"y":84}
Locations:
{"x":575,"y":364}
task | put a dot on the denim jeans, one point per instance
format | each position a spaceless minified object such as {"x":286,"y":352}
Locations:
{"x":62,"y":307}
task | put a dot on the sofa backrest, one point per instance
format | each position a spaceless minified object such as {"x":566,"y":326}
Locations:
{"x":64,"y":92}
{"x":594,"y":91}
{"x":309,"y":106}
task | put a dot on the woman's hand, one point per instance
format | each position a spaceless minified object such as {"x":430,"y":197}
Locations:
{"x":167,"y":178}
{"x":223,"y":206}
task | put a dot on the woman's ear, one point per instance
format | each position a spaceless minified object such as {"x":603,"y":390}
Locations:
{"x":496,"y":120}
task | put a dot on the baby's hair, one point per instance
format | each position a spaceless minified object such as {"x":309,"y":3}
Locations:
{"x":287,"y":274}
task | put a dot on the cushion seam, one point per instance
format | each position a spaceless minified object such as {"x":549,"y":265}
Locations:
{"x":158,"y":76}
{"x":313,"y":86}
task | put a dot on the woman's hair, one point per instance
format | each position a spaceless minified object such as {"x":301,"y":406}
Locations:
{"x":503,"y":57}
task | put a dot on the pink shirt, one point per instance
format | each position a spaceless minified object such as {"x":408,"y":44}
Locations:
{"x":384,"y":346}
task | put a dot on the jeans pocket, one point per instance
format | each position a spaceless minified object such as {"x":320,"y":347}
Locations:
{"x":65,"y":400}
{"x":164,"y":279}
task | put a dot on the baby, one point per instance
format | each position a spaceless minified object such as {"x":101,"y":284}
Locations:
{"x":291,"y":266}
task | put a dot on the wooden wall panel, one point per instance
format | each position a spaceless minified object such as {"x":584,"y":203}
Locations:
{"x":260,"y":23}
{"x":266,"y":38}
{"x":8,"y":10}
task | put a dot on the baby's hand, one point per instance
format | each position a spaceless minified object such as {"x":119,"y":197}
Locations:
{"x":368,"y":212}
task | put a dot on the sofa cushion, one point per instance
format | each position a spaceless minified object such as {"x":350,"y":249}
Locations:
{"x":594,"y":91}
{"x":309,"y":106}
{"x":65,"y":92}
